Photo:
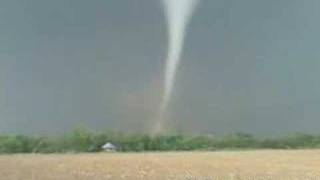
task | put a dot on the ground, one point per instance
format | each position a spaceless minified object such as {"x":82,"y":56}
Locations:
{"x":264,"y":165}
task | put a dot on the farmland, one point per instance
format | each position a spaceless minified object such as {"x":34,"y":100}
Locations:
{"x":261,"y":164}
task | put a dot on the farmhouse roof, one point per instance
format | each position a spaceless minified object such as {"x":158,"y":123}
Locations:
{"x":109,"y":146}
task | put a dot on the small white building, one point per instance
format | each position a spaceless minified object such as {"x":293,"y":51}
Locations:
{"x":109,"y":147}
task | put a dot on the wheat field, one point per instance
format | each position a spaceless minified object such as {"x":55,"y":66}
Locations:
{"x":264,"y":165}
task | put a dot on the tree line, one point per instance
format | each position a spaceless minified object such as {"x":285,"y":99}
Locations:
{"x":83,"y":140}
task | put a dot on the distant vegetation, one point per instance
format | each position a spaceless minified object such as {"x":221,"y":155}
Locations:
{"x":83,"y":140}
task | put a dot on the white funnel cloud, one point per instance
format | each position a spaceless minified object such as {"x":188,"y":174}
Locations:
{"x":178,"y":13}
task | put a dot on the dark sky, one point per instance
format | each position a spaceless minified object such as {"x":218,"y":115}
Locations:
{"x":250,"y":66}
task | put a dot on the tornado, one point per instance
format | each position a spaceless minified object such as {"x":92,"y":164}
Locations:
{"x":178,"y":14}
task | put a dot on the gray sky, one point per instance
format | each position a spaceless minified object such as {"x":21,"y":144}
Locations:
{"x":249,"y":65}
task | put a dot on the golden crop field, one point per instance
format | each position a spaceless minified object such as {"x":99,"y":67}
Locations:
{"x":264,"y":165}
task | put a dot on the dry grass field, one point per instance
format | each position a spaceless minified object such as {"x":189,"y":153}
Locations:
{"x":267,"y":164}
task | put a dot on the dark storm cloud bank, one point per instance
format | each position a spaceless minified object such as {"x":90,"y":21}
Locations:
{"x":249,"y":66}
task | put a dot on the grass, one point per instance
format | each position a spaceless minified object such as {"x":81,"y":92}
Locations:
{"x":262,"y":164}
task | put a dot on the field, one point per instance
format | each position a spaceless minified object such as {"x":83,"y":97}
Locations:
{"x":266,"y":164}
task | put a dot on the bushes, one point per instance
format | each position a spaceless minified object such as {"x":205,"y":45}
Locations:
{"x":296,"y":141}
{"x":83,"y":140}
{"x":16,"y":144}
